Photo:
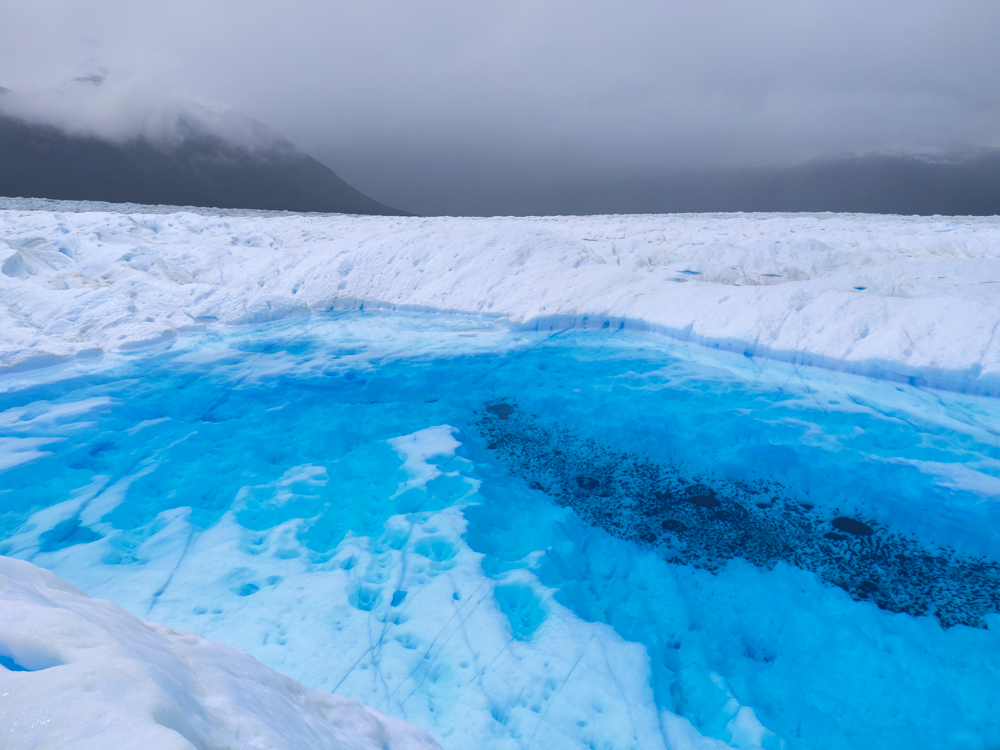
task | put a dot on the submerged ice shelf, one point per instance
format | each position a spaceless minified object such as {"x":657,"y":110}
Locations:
{"x":412,"y":511}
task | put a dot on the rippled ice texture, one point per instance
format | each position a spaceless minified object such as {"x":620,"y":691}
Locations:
{"x":331,"y":495}
{"x":906,"y":298}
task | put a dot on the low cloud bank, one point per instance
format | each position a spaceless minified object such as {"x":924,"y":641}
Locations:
{"x":120,"y":109}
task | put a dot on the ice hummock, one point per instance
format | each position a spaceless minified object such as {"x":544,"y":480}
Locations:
{"x":77,"y":672}
{"x":904,"y":298}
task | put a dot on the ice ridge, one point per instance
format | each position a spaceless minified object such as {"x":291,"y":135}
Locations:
{"x":900,"y":298}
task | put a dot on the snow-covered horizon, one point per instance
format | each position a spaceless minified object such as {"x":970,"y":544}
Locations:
{"x":885,"y":296}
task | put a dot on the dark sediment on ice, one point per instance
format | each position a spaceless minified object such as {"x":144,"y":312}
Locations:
{"x":706,"y":523}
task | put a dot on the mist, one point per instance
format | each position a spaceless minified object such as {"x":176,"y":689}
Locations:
{"x":518,"y":107}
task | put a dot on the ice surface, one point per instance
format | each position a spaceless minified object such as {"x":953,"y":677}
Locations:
{"x":349,"y":498}
{"x":83,"y":673}
{"x":895,"y":297}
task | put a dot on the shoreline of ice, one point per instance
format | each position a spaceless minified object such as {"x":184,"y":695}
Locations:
{"x":896,"y":298}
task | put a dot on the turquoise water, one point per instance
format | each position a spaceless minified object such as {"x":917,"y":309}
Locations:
{"x":535,"y":538}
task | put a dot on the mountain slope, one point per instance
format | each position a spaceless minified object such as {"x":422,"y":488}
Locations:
{"x":961,"y":184}
{"x":197,"y":167}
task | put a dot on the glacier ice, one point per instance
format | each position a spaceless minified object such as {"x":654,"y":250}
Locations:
{"x":330,"y":495}
{"x":83,"y":673}
{"x":903,"y":298}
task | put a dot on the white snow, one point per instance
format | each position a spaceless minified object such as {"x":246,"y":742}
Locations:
{"x":89,"y":675}
{"x":889,"y":296}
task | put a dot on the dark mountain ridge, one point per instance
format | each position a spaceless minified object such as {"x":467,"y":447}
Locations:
{"x":196,"y":167}
{"x":960,"y":184}
{"x":905,"y":184}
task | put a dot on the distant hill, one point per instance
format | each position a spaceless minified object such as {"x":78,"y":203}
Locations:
{"x":873,"y":183}
{"x":196,"y":166}
{"x":879,"y":183}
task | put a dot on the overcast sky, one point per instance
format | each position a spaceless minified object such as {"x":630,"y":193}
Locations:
{"x":422,"y":103}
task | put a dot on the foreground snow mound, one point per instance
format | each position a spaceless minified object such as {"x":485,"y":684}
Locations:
{"x":83,"y":673}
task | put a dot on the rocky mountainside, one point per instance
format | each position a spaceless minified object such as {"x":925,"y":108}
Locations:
{"x":219,"y":159}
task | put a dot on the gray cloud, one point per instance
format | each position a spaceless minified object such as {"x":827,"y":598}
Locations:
{"x":420,"y":103}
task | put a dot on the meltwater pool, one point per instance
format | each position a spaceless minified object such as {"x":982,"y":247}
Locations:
{"x":542,"y":539}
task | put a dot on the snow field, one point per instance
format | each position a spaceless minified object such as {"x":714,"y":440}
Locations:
{"x":893,"y":297}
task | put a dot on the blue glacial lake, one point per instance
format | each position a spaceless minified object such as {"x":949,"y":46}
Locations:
{"x":559,"y":539}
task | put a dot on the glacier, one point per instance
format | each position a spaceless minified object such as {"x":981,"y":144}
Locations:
{"x":541,"y":523}
{"x":904,"y":298}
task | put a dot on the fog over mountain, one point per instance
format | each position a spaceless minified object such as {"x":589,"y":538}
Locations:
{"x":542,"y":106}
{"x":76,"y":143}
{"x":95,"y":138}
